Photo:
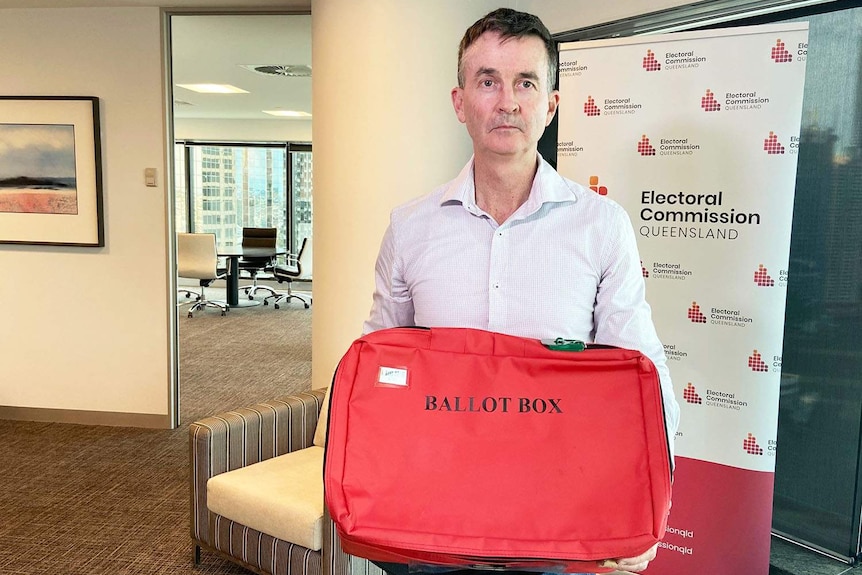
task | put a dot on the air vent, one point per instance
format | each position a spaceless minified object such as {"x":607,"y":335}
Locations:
{"x":291,"y":71}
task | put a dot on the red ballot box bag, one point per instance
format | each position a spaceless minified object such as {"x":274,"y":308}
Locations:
{"x":461,"y":447}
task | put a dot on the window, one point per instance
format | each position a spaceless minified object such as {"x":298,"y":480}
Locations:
{"x":228,"y":187}
{"x":301,"y":170}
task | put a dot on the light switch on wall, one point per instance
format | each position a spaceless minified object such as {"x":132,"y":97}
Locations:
{"x":150,"y":177}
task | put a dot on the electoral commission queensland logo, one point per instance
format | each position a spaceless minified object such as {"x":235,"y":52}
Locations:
{"x":713,"y":398}
{"x":666,"y":271}
{"x":618,"y":106}
{"x":574,"y":68}
{"x":774,"y":146}
{"x":781,"y":53}
{"x":735,"y":101}
{"x":763,"y":278}
{"x":752,"y":447}
{"x":678,"y":60}
{"x":723,"y":316}
{"x":691,"y":216}
{"x":674,"y":146}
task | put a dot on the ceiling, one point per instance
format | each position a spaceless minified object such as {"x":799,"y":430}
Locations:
{"x":212,"y":47}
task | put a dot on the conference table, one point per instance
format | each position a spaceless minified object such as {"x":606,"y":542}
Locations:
{"x":233,"y":254}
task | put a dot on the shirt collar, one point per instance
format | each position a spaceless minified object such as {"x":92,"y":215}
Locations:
{"x":548,"y":187}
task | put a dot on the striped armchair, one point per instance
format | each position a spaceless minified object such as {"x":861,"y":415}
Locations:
{"x":238,"y":439}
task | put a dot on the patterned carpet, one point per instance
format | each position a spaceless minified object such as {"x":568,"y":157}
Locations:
{"x":82,"y":500}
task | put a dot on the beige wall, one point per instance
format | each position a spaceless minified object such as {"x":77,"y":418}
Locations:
{"x":389,"y":136}
{"x":87,"y":328}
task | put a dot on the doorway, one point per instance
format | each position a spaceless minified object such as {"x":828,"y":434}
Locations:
{"x":240,"y":128}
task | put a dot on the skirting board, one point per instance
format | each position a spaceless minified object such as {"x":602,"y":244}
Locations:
{"x":83,"y":417}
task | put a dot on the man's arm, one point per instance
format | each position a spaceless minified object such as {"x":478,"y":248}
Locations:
{"x":622,"y":315}
{"x":392,"y":305}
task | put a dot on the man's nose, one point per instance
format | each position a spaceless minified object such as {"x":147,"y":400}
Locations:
{"x":508,"y":102}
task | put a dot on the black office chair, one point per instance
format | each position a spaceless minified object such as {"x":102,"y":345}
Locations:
{"x":197,"y":259}
{"x":298,"y":268}
{"x":257,"y":238}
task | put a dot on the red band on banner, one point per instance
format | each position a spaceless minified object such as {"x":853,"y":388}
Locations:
{"x":717,"y":503}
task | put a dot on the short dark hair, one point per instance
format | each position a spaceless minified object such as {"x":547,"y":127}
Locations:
{"x":509,"y":23}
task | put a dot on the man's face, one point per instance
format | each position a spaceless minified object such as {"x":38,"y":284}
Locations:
{"x":505,"y":101}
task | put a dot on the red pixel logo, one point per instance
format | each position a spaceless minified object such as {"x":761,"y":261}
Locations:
{"x":750,"y":445}
{"x":644,"y":271}
{"x":780,"y":53}
{"x":709,"y":103}
{"x":761,"y":278}
{"x":590,"y":108}
{"x":695,"y":315}
{"x":650,"y":63}
{"x":594,"y":186}
{"x":772,"y":145}
{"x":756,"y":363}
{"x":644,"y":147}
{"x":690,"y":394}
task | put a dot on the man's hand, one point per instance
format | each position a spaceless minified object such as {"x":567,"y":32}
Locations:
{"x":632,"y":564}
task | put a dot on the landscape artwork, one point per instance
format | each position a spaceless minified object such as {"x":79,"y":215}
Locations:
{"x":37,"y":169}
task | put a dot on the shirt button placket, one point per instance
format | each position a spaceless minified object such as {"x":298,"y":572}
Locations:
{"x":497,"y":269}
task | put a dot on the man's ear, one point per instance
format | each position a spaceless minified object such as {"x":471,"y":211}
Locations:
{"x":553,"y":102}
{"x":458,"y":103}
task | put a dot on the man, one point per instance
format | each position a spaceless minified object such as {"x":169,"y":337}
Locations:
{"x":509,"y":245}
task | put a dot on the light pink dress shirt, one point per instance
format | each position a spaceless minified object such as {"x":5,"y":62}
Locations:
{"x":565,"y":264}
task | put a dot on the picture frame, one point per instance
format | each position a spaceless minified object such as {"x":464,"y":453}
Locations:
{"x":51,"y":171}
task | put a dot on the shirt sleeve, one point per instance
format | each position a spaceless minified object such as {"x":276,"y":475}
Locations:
{"x":392,"y":304}
{"x":624,"y":318}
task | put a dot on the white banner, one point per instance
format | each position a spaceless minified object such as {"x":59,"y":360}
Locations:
{"x":696,"y":134}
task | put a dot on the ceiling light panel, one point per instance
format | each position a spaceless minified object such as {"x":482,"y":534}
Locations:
{"x":213,"y":88}
{"x":287,"y":113}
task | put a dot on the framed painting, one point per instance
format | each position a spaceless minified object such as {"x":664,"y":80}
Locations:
{"x":50,"y":171}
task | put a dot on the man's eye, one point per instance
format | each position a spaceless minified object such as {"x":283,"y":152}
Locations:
{"x":527,"y":84}
{"x":487,"y":83}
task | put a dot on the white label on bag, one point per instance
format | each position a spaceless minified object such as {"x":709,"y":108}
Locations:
{"x":392,"y":376}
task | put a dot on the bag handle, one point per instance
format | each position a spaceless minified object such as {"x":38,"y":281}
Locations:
{"x":476,"y":341}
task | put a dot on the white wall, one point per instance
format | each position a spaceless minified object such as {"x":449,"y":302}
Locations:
{"x":87,"y":328}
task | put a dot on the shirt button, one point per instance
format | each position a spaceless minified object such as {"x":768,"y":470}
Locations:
{"x":496,"y":285}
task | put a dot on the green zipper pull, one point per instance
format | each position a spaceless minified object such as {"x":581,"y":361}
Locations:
{"x":560,"y":344}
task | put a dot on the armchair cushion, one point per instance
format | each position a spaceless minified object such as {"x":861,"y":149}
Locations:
{"x":282,"y":496}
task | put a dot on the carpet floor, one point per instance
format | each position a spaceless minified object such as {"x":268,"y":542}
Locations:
{"x":82,"y":500}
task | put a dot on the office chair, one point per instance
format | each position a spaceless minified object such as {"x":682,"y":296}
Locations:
{"x":188,"y":292}
{"x":197,"y":259}
{"x":298,"y":268}
{"x":257,"y":238}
